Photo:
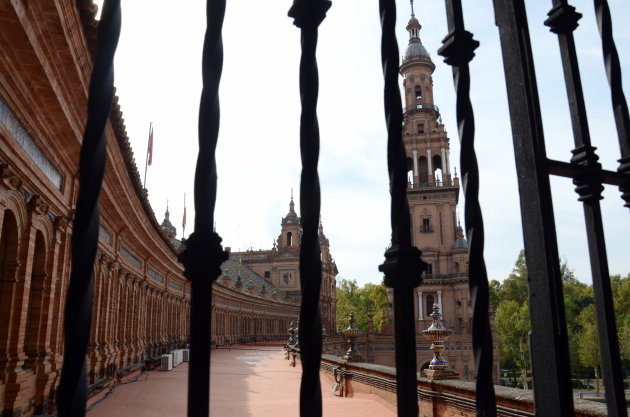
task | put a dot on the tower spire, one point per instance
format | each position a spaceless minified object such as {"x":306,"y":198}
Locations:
{"x":412,"y":14}
{"x":291,"y":204}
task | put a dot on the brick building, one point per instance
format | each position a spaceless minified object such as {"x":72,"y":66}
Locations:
{"x":141,"y":299}
{"x":280,"y":266}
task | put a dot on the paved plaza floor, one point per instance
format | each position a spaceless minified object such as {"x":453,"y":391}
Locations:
{"x":246,"y":381}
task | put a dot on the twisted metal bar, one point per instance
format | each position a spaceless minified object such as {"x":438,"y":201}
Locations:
{"x":620,"y":106}
{"x":563,"y":20}
{"x":548,"y":339}
{"x":308,"y":15}
{"x":403,"y":266}
{"x":458,"y":50}
{"x":204,"y":255}
{"x":72,"y":392}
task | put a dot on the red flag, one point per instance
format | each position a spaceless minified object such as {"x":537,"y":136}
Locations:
{"x":150,"y":147}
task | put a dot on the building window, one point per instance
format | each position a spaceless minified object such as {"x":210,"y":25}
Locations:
{"x":420,"y":128}
{"x":429,"y":269}
{"x":426,"y":226}
{"x":429,"y":305}
{"x":289,"y":239}
{"x":466,"y":371}
{"x":418,"y":92}
{"x":456,"y":266}
{"x":267,"y":274}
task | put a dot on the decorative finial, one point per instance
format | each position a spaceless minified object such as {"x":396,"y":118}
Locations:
{"x":458,"y":222}
{"x":412,"y":14}
{"x":291,"y":194}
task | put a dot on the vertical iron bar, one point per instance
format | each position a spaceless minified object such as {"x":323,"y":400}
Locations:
{"x":72,"y":392}
{"x":458,"y":50}
{"x":204,"y":254}
{"x":563,"y":20}
{"x":403,"y":266}
{"x":308,"y":15}
{"x":549,"y":349}
{"x":620,"y":106}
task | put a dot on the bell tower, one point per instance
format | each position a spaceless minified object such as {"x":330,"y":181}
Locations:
{"x":291,"y":232}
{"x":432,"y":190}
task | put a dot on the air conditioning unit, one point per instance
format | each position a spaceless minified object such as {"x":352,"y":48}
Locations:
{"x":177,"y":356}
{"x":166,"y":363}
{"x":186,"y":355}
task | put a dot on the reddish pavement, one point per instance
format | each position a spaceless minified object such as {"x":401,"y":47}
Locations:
{"x":247,"y":381}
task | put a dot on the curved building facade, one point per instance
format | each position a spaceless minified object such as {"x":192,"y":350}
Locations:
{"x":141,"y":299}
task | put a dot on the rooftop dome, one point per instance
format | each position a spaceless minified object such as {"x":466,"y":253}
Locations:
{"x":415,"y":50}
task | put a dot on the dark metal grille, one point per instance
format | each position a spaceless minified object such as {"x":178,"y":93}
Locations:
{"x":458,"y":51}
{"x":72,"y":392}
{"x":308,"y":15}
{"x":403,"y":266}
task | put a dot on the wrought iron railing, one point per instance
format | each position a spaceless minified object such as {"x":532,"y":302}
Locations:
{"x":403,"y":266}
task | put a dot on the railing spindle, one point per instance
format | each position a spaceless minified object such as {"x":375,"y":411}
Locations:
{"x":620,"y":106}
{"x":72,"y":391}
{"x":204,"y":255}
{"x":458,"y":50}
{"x":308,"y":15}
{"x":403,"y":266}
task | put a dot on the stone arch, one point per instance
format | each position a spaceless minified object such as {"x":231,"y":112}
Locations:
{"x":42,"y":223}
{"x":9,"y":249}
{"x":17,"y":207}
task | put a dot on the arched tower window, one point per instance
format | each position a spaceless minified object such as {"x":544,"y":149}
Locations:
{"x":437,"y":162}
{"x":418,"y":93}
{"x":429,"y":304}
{"x":423,"y":170}
{"x":456,"y":266}
{"x":289,"y":239}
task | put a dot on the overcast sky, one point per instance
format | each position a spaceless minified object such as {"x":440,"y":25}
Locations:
{"x":158,"y":77}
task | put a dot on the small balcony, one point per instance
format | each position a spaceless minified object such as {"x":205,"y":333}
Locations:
{"x":426,"y":228}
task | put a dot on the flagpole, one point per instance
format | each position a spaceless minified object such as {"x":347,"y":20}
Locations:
{"x":149,"y":150}
{"x":184,"y":219}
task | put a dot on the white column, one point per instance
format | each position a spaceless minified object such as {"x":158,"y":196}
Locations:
{"x":448,"y":161}
{"x":420,"y":316}
{"x":440,"y":302}
{"x":429,"y":162}
{"x":415,"y":162}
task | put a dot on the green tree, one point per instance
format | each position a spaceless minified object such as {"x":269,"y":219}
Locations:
{"x":588,"y":348}
{"x":514,"y":287}
{"x":371,"y":298}
{"x":513,"y":326}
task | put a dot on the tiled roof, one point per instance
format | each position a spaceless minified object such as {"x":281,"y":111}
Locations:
{"x":234,"y":269}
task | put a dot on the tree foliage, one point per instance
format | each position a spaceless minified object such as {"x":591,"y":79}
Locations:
{"x":360,"y":300}
{"x":510,"y":301}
